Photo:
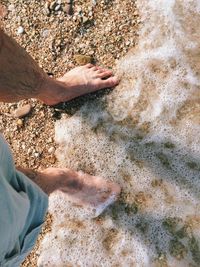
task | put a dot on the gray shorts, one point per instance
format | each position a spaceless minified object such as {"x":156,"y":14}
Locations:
{"x":23,"y":206}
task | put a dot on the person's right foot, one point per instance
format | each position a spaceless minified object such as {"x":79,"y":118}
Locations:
{"x":80,"y":188}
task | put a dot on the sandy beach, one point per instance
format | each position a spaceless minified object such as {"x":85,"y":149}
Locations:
{"x":144,"y":135}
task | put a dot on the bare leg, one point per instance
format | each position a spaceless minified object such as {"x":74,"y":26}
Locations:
{"x":80,"y":188}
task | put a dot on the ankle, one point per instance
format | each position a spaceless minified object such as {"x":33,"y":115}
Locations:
{"x":52,"y":92}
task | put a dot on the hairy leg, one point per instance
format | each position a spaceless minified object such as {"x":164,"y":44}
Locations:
{"x":22,"y":78}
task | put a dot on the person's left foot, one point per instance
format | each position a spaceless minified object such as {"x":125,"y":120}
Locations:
{"x":78,"y":81}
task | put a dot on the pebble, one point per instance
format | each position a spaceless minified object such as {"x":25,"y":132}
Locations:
{"x":45,"y":33}
{"x":79,"y":9}
{"x":94,"y":2}
{"x":50,"y":140}
{"x":19,"y":122}
{"x":22,"y":111}
{"x":20,"y":30}
{"x":57,"y":7}
{"x":46,"y":11}
{"x":23,"y":146}
{"x":36,"y":154}
{"x":91,"y":53}
{"x":85,"y":19}
{"x":51,"y":150}
{"x":83,"y":59}
{"x":11,"y":7}
{"x":82,"y":46}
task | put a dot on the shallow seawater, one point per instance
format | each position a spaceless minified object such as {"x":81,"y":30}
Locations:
{"x":145,"y":136}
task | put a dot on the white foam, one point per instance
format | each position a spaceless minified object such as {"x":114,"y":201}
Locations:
{"x":146,"y":139}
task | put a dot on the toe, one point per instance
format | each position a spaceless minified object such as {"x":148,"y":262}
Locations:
{"x":94,"y":68}
{"x":104,"y":74}
{"x":89,"y":65}
{"x":110,"y":82}
{"x":100,"y":68}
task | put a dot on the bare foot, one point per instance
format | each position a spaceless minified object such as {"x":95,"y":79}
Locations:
{"x":78,"y":81}
{"x":80,"y":188}
{"x":89,"y":78}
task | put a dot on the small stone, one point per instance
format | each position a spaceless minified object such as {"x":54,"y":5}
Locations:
{"x":19,"y":122}
{"x":51,"y":150}
{"x":45,"y":33}
{"x":85,"y":19}
{"x":57,"y":7}
{"x":52,"y":160}
{"x":83,"y":59}
{"x":91,"y":53}
{"x":50,"y":140}
{"x":79,"y":9}
{"x":22,"y":111}
{"x":94,"y":2}
{"x":36,"y":154}
{"x":23,"y":146}
{"x":82,"y":46}
{"x":46,"y":11}
{"x":20,"y":30}
{"x":11,"y":7}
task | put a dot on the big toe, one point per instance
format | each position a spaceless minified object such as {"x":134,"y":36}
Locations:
{"x":110,"y":82}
